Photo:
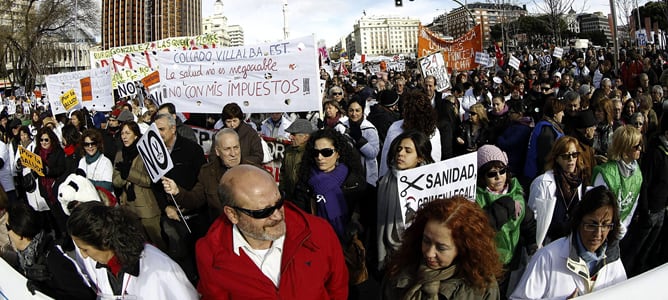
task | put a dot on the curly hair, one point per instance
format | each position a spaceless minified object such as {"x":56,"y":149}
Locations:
{"x":53,"y":139}
{"x":419,"y":114}
{"x":477,"y":260}
{"x":347,"y":155}
{"x":421,"y":142}
{"x":95,"y":136}
{"x":108,"y":228}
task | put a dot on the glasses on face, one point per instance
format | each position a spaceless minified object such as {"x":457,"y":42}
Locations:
{"x":500,"y":172}
{"x":595,"y":227}
{"x":325,"y":152}
{"x":638,"y":123}
{"x":637,"y":147}
{"x":261,"y":213}
{"x":545,"y":89}
{"x":44,"y":140}
{"x":337,"y":94}
{"x":91,"y":144}
{"x":472,"y":113}
{"x":570,"y":155}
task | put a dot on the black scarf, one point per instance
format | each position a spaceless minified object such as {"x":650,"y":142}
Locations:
{"x":568,"y":184}
{"x":130,"y":152}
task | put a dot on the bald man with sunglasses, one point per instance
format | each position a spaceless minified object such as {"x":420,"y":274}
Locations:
{"x":264,"y":247}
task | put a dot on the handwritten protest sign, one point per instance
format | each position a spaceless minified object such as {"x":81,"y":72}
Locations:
{"x":434,"y":65}
{"x":125,"y":89}
{"x":444,"y":179}
{"x":458,"y":54}
{"x":154,"y":154}
{"x":558,"y":52}
{"x":31,"y":161}
{"x":134,"y":62}
{"x":69,"y":100}
{"x":98,"y":89}
{"x":281,"y":76}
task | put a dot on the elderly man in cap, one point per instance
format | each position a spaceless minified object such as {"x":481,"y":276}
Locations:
{"x":300,"y":131}
{"x":264,"y":247}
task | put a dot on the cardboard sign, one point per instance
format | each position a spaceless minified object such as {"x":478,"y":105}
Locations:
{"x":458,"y":54}
{"x":154,"y":153}
{"x":444,"y":179}
{"x":31,"y":160}
{"x":558,"y":52}
{"x":482,"y":58}
{"x":69,"y":100}
{"x":514,"y":62}
{"x":435,"y":65}
{"x":270,"y":77}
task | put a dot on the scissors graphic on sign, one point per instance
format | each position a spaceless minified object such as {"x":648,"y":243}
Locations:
{"x":404,"y":179}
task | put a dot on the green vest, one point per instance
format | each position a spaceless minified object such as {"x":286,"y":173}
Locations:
{"x":509,"y":235}
{"x":627,"y":189}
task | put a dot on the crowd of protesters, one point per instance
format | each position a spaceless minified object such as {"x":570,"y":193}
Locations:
{"x":543,"y":134}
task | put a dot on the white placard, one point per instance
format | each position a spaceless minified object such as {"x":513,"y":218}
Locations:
{"x":434,"y":65}
{"x":581,"y":43}
{"x":514,"y":62}
{"x":126,"y":89}
{"x":444,"y":179}
{"x":100,"y":80}
{"x":558,"y":52}
{"x":154,"y":153}
{"x":482,"y":58}
{"x":13,"y":284}
{"x":280,"y":76}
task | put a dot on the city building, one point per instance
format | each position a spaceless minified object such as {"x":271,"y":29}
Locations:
{"x":350,"y":44}
{"x":129,"y":22}
{"x":572,"y":21}
{"x":595,"y":22}
{"x":487,"y":14}
{"x":439,"y":25}
{"x":217,"y":24}
{"x":385,"y":35}
{"x":236,"y":34}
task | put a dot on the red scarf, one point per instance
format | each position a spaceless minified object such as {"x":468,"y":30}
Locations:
{"x":69,"y":150}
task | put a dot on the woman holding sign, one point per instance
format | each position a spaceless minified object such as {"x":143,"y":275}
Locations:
{"x":409,"y":150}
{"x":133,"y":184}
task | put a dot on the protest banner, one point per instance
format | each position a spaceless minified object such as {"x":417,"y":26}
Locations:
{"x":277,"y":149}
{"x":397,"y":66}
{"x":134,"y":62}
{"x":558,"y":52}
{"x":458,"y":54}
{"x":434,"y":65}
{"x":514,"y":62}
{"x":482,"y":58}
{"x":69,"y":100}
{"x":31,"y":160}
{"x":99,"y":89}
{"x":281,"y":76}
{"x":154,"y":154}
{"x":444,"y":179}
{"x":374,"y":68}
{"x":13,"y":284}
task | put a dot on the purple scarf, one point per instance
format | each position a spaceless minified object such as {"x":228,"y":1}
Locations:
{"x":331,"y":205}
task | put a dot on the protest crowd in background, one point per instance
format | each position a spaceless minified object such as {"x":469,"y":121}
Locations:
{"x":544,"y":134}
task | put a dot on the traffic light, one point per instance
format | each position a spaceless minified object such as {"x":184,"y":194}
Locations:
{"x":398,"y":3}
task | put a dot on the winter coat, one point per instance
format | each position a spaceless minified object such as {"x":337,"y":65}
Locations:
{"x":514,"y":141}
{"x":249,"y":141}
{"x":369,"y":147}
{"x":205,"y":191}
{"x":144,"y":204}
{"x":312,"y":263}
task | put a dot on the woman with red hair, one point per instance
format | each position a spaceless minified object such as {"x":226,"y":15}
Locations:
{"x":447,"y":253}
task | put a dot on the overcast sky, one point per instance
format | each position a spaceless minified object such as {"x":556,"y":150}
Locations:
{"x":262,"y":20}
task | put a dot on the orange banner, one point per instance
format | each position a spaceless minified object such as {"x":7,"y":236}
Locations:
{"x":458,"y":54}
{"x":86,"y":89}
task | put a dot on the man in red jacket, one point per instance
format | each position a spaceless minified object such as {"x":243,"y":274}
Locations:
{"x":265,"y":247}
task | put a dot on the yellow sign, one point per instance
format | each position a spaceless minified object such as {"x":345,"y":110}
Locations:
{"x":69,"y":99}
{"x":31,"y":160}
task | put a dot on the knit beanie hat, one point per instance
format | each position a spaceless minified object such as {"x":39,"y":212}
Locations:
{"x":488,"y":153}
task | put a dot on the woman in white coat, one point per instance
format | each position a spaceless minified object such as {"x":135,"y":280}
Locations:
{"x":113,"y":253}
{"x":584,"y":261}
{"x":555,"y":193}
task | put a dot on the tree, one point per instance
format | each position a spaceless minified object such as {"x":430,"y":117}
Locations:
{"x":554,"y":11}
{"x":34,"y":27}
{"x":624,"y":9}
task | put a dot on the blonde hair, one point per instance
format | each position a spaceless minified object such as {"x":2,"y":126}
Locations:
{"x":480,"y":110}
{"x":623,"y":139}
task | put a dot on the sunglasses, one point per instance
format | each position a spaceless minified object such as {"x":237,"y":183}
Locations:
{"x":261,"y":213}
{"x":326,"y":152}
{"x":638,"y":123}
{"x":337,"y":94}
{"x":472,"y":113}
{"x":545,"y":89}
{"x":91,"y":144}
{"x":44,"y":140}
{"x":637,"y":147}
{"x":567,"y":156}
{"x":500,"y":172}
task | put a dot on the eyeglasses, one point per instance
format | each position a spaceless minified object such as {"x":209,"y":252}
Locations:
{"x":91,"y":144}
{"x":44,"y":140}
{"x":638,"y":123}
{"x":326,"y":152}
{"x":637,"y":147}
{"x":500,"y":172}
{"x":595,"y":227}
{"x":545,"y":89}
{"x":337,"y":94}
{"x":261,"y":213}
{"x":472,"y":113}
{"x":568,"y":156}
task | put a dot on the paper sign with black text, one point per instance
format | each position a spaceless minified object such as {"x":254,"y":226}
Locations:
{"x":482,"y":58}
{"x":69,"y":100}
{"x":514,"y":62}
{"x":558,"y":52}
{"x":154,"y":153}
{"x":444,"y":179}
{"x":96,"y":90}
{"x":31,"y":160}
{"x":434,"y":65}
